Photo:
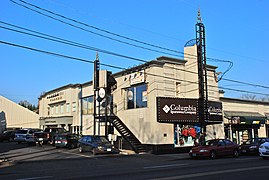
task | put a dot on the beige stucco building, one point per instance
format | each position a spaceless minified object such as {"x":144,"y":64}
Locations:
{"x":13,"y":115}
{"x":155,"y":105}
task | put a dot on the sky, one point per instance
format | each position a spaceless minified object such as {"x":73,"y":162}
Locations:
{"x":235,"y":31}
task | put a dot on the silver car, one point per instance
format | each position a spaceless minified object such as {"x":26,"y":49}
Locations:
{"x":25,"y":135}
{"x":264,"y":150}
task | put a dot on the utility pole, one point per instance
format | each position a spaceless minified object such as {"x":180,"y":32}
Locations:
{"x":202,"y":72}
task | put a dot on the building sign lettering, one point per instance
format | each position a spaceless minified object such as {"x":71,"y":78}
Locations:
{"x":183,"y":110}
{"x":177,"y":110}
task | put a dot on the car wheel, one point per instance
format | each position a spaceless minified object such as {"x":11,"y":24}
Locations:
{"x":236,"y":153}
{"x":72,"y":146}
{"x":80,"y":149}
{"x":213,"y":155}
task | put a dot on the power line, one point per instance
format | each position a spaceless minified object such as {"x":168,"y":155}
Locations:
{"x":86,"y":30}
{"x":72,"y":43}
{"x":111,"y":33}
{"x":64,"y":41}
{"x":87,"y":61}
{"x":102,"y":30}
{"x":61,"y":40}
{"x":57,"y":54}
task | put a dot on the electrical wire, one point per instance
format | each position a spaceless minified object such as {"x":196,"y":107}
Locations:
{"x":92,"y":32}
{"x":87,"y":61}
{"x":111,"y":33}
{"x":53,"y":38}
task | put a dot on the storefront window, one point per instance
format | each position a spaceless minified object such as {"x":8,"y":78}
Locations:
{"x":87,"y":105}
{"x":137,"y":97}
{"x":187,"y":135}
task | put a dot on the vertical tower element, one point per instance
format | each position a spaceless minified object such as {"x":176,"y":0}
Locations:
{"x":202,"y":71}
{"x":96,"y":89}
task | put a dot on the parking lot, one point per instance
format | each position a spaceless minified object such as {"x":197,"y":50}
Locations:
{"x":12,"y":152}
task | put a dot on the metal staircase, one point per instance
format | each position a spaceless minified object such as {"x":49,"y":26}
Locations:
{"x":127,"y":134}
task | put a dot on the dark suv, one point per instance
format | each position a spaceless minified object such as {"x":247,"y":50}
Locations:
{"x":66,"y":140}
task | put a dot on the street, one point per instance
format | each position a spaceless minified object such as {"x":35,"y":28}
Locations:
{"x":33,"y":162}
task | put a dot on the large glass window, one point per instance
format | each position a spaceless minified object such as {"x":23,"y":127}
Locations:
{"x":62,"y":109}
{"x":57,"y":109}
{"x":67,"y":107}
{"x":137,"y":97}
{"x":87,"y":105}
{"x":74,"y":106}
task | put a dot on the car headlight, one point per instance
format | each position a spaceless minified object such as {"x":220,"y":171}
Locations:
{"x":191,"y":151}
{"x":203,"y":150}
{"x":261,"y":147}
{"x":253,"y":147}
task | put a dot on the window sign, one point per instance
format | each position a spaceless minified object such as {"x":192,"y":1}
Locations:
{"x":137,"y":97}
{"x":137,"y":77}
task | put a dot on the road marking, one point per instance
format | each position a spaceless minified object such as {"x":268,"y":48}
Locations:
{"x":82,"y":155}
{"x":246,"y":159}
{"x":41,"y":177}
{"x":164,"y":166}
{"x":212,"y":173}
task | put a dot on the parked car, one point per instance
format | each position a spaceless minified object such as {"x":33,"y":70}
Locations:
{"x":264,"y":150}
{"x":66,"y":140}
{"x":251,"y":146}
{"x":7,"y":136}
{"x":214,"y":148}
{"x":30,"y":136}
{"x":21,"y":134}
{"x":48,"y":135}
{"x":96,"y":145}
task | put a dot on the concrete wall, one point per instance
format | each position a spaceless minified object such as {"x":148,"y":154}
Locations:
{"x":18,"y":116}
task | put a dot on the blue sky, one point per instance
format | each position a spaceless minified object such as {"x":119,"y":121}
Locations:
{"x":235,"y":31}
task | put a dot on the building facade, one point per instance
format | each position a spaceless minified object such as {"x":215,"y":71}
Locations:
{"x":13,"y":115}
{"x":156,"y":104}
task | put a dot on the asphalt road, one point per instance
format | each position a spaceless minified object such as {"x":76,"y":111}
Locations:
{"x":29,"y":163}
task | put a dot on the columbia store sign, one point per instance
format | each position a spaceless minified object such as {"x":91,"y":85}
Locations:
{"x":177,"y":110}
{"x":181,"y":110}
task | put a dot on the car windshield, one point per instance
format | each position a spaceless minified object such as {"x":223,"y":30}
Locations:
{"x":61,"y":137}
{"x":22,"y":131}
{"x":101,"y":139}
{"x":254,"y":140}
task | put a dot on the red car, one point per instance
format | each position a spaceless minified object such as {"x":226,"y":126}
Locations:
{"x":214,"y":148}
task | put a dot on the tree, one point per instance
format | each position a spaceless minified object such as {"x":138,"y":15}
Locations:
{"x":28,"y":105}
{"x":249,"y":97}
{"x":255,"y":98}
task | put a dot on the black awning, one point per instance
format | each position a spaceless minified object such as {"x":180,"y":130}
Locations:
{"x":237,"y":117}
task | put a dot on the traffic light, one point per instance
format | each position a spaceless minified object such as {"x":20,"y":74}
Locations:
{"x":111,"y":82}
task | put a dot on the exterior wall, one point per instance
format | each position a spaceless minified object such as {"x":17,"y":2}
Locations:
{"x":165,"y":77}
{"x":61,"y":107}
{"x":17,"y":116}
{"x":238,"y":105}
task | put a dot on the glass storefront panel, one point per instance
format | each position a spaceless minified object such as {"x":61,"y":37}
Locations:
{"x":186,"y":135}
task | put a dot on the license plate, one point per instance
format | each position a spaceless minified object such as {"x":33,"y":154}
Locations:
{"x":40,"y":139}
{"x":244,"y":151}
{"x":109,"y":149}
{"x":193,"y":154}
